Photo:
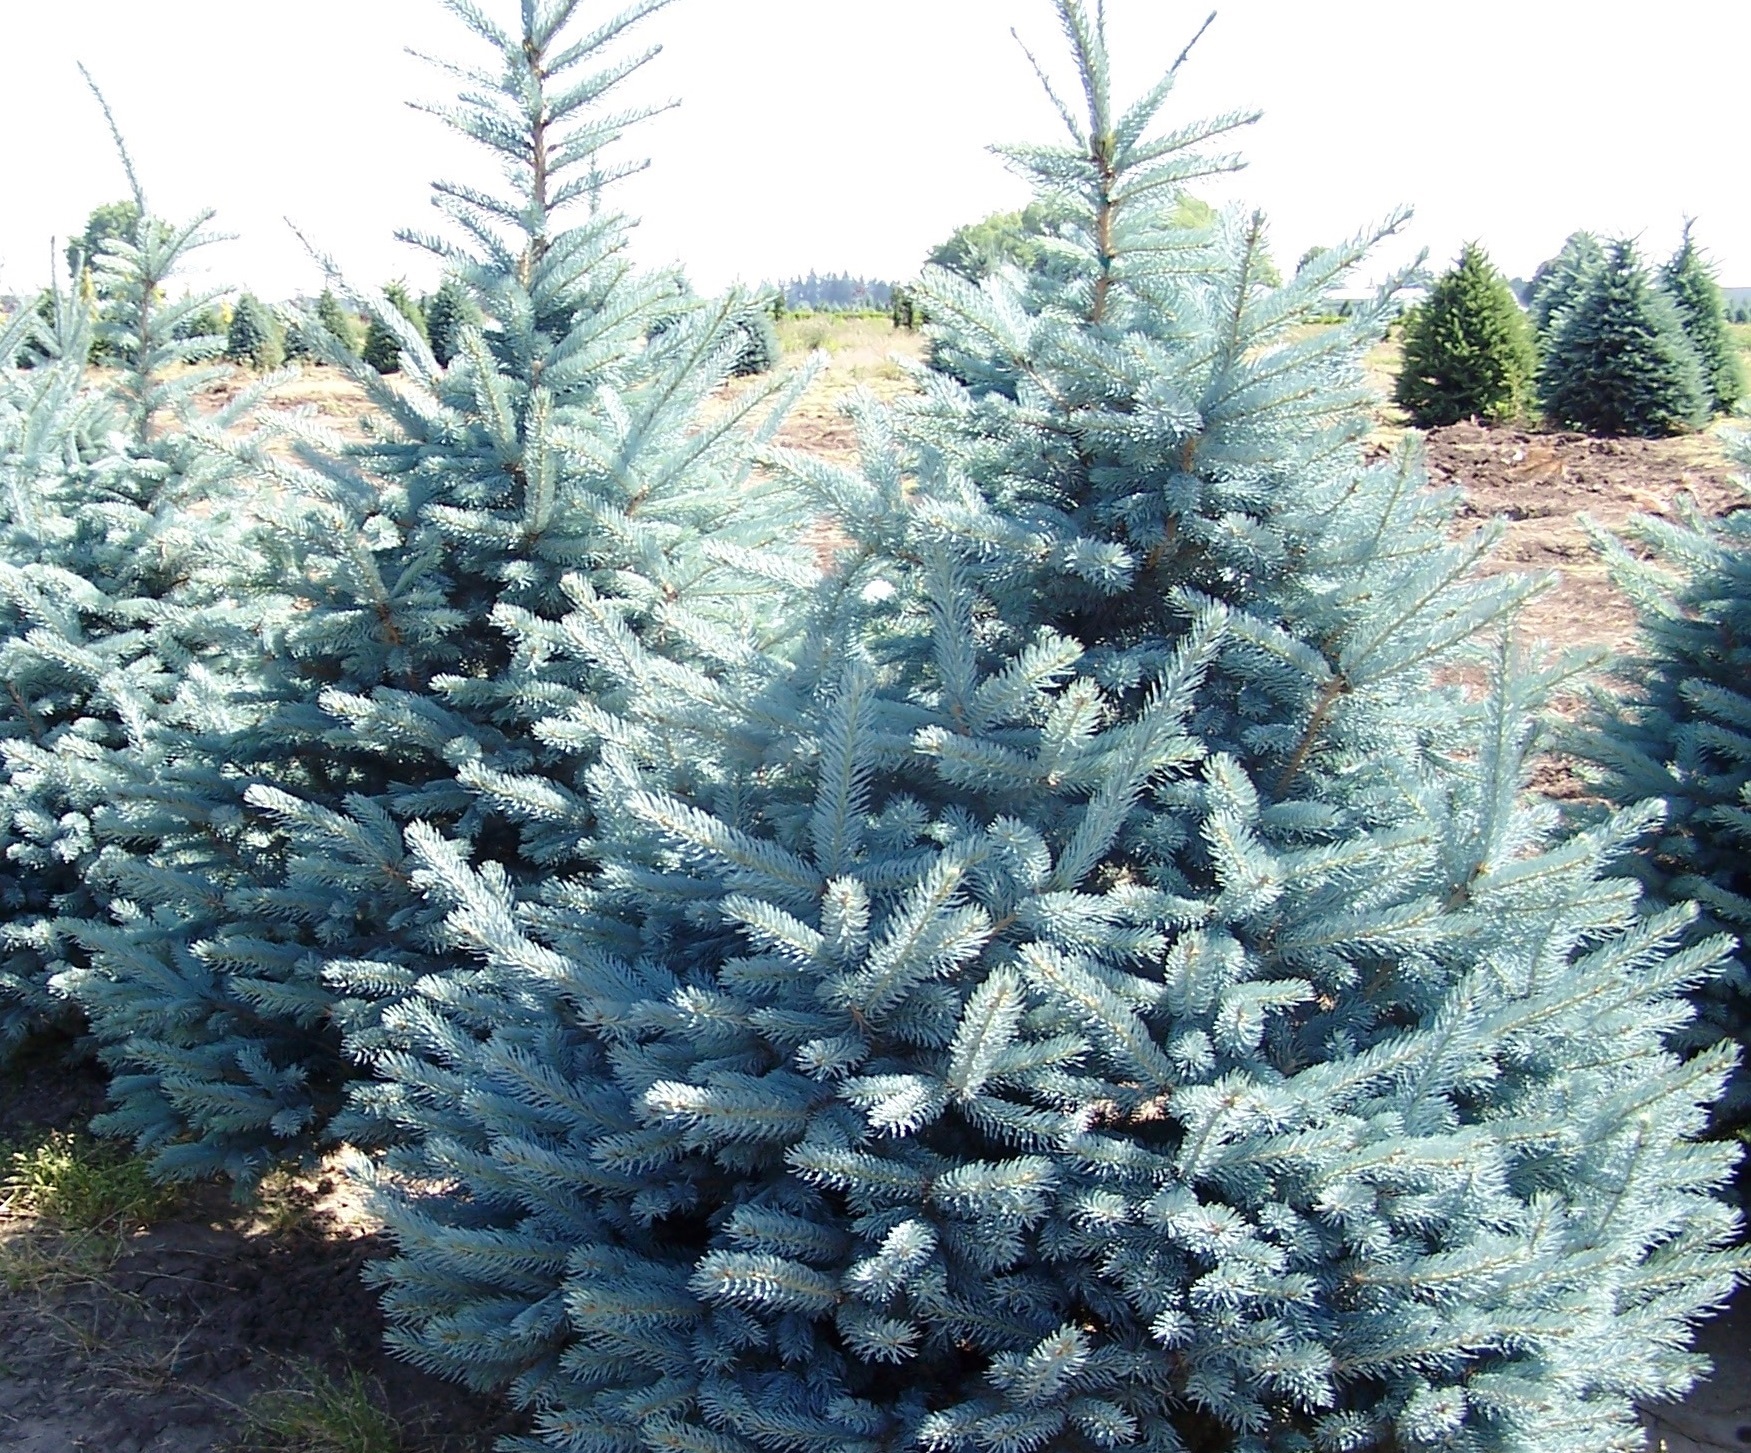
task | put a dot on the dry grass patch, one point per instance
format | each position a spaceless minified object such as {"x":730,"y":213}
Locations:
{"x":317,"y":1413}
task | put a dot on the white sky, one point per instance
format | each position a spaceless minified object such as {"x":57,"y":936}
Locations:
{"x":851,"y":134}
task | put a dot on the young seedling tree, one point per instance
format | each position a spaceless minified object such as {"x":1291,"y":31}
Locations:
{"x":1618,"y":361}
{"x":1468,"y":352}
{"x":1126,"y":1001}
{"x":1690,"y":283}
{"x":118,"y":546}
{"x":1683,"y":736}
{"x":557,"y":482}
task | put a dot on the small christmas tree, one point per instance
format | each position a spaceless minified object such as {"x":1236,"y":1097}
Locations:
{"x":760,"y":351}
{"x":209,"y":327}
{"x":1618,"y":361}
{"x":387,"y":331}
{"x":1467,"y":350}
{"x":337,"y":321}
{"x":1109,"y":993}
{"x":254,"y":338}
{"x":1682,"y":735}
{"x":1559,"y":280}
{"x":1690,"y":284}
{"x":447,"y":312}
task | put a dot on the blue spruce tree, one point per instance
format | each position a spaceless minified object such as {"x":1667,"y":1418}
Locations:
{"x":121,"y":539}
{"x":1106,"y":992}
{"x":409,"y":587}
{"x":1682,"y":735}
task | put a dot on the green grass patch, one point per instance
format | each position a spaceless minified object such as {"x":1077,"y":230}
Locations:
{"x":321,"y":1414}
{"x":71,"y":1182}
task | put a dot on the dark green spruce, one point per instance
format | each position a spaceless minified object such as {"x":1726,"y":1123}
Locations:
{"x":1618,"y":361}
{"x":1690,"y":283}
{"x":1468,"y":351}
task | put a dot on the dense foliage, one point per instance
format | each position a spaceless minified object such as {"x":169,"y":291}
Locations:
{"x":560,"y":470}
{"x":759,"y":350}
{"x":1468,"y":352}
{"x":1101,"y":989}
{"x":1617,"y":360}
{"x":447,"y":312}
{"x":390,"y":324}
{"x":1559,"y":280}
{"x":336,"y":320}
{"x":254,"y":337}
{"x":1033,"y":938}
{"x":118,"y":541}
{"x":1682,"y":735}
{"x":1688,"y":281}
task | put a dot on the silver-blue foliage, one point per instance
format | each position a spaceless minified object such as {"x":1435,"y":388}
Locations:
{"x":123,"y":540}
{"x":1112,"y":988}
{"x":409,"y":584}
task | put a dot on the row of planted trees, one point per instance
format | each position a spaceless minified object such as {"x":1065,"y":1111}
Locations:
{"x":1603,"y":345}
{"x":1015,"y":942}
{"x":248,"y":332}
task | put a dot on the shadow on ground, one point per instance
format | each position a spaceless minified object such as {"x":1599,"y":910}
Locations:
{"x":161,"y":1339}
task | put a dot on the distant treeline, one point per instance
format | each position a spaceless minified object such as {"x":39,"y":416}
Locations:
{"x":836,"y":292}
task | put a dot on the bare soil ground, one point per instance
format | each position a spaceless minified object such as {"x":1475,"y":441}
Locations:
{"x":166,"y":1336}
{"x":1544,"y":485}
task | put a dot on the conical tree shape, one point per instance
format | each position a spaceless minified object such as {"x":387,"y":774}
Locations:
{"x":387,"y":327}
{"x":119,"y":543}
{"x":1682,"y":735}
{"x":447,"y":312}
{"x":561,"y":467}
{"x":1121,"y":1000}
{"x":1468,"y":352}
{"x":1618,"y":361}
{"x":1559,"y":280}
{"x":254,"y":338}
{"x":1690,"y":284}
{"x":339,"y":323}
{"x":760,"y":350}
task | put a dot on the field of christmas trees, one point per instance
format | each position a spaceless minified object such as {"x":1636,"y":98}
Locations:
{"x":591,"y":867}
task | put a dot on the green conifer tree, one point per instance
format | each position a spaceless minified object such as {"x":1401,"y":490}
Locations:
{"x":391,"y":321}
{"x":209,"y":326}
{"x":447,"y":312}
{"x":1468,"y":352}
{"x":414,"y":608}
{"x":1108,"y":994}
{"x":1559,"y":280}
{"x":1618,"y":361}
{"x":1689,"y":282}
{"x":339,"y":323}
{"x":1681,"y":735}
{"x":254,"y":338}
{"x":760,"y":351}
